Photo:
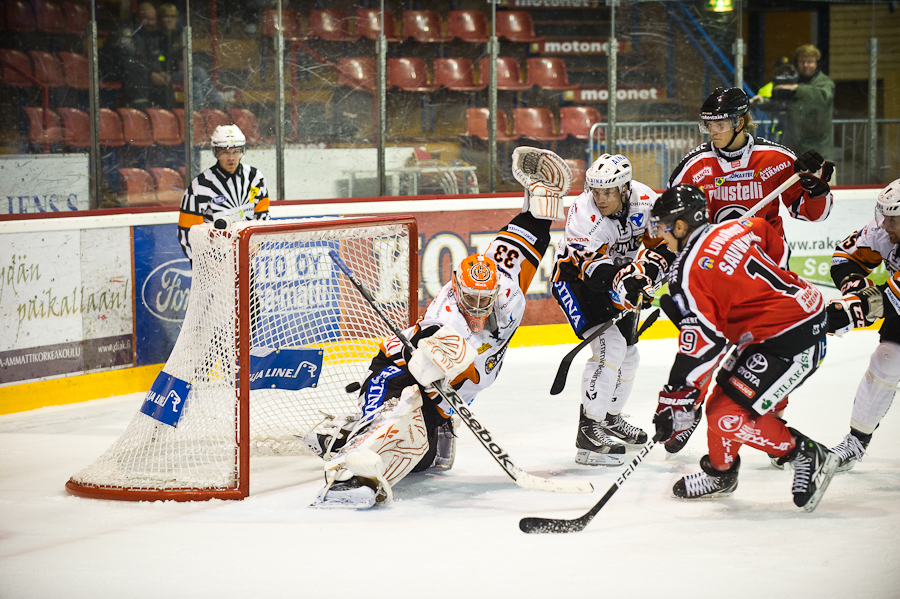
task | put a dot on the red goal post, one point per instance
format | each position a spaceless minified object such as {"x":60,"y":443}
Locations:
{"x":271,"y":337}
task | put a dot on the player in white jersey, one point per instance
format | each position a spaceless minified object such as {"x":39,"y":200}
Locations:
{"x":403,"y":425}
{"x":863,"y":303}
{"x":598,"y":274}
{"x":229,"y":189}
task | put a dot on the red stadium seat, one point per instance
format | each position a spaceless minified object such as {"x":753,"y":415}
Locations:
{"x":578,"y":120}
{"x":76,"y":18}
{"x":75,"y":70}
{"x":457,"y":74}
{"x":477,"y":124}
{"x":165,"y":127}
{"x":330,"y":25}
{"x":468,"y":25}
{"x":136,"y":127}
{"x":169,"y":186}
{"x":424,"y":26}
{"x":48,"y":17}
{"x":111,"y":133}
{"x":368,"y":24}
{"x":137,"y":187}
{"x":246,"y":120}
{"x":201,"y":135}
{"x":76,"y":127}
{"x":215,"y":118}
{"x":19,"y":16}
{"x":15,"y":68}
{"x":509,"y":76}
{"x":290,"y":22}
{"x":577,"y":167}
{"x":535,"y":123}
{"x":409,"y":74}
{"x":357,"y":72}
{"x":549,"y":73}
{"x":47,"y":69}
{"x":41,"y":132}
{"x":516,"y":26}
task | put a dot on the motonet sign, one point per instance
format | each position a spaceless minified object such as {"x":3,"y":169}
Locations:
{"x":601,"y":94}
{"x":563,"y":47}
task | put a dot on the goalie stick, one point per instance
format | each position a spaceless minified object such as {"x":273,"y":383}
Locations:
{"x":559,"y":525}
{"x":521,"y":478}
{"x":559,"y":382}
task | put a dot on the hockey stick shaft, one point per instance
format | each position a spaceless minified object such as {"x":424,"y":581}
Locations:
{"x":774,"y":194}
{"x":521,"y":478}
{"x":555,"y":525}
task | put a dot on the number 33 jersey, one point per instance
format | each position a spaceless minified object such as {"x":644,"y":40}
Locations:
{"x":731,"y":284}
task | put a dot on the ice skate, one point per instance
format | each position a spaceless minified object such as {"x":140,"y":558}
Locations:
{"x":710,"y":483}
{"x":595,"y":446}
{"x":681,"y":439}
{"x":629,"y":434}
{"x":850,"y":450}
{"x":814,"y":466}
{"x":352,"y":493}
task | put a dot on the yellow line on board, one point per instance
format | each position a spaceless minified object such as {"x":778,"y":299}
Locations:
{"x":559,"y":334}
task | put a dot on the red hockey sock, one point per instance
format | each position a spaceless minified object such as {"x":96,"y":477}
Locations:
{"x":731,"y":426}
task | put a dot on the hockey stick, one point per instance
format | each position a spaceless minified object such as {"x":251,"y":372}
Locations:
{"x":558,"y":525}
{"x":774,"y":194}
{"x":559,"y":382}
{"x":449,"y":394}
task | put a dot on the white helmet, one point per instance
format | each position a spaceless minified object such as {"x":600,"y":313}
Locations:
{"x":610,"y":170}
{"x":888,"y":202}
{"x":228,"y":136}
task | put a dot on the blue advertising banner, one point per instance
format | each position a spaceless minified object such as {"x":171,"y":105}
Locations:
{"x":162,"y":288}
{"x":289,"y":369}
{"x":166,"y":398}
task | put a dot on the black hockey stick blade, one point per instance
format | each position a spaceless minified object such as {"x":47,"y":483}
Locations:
{"x":559,"y":525}
{"x":649,"y":322}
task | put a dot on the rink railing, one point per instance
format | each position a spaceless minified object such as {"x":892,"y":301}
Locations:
{"x":656,"y":148}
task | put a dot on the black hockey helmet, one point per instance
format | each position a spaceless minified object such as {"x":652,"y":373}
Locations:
{"x":725,"y":104}
{"x":682,"y":202}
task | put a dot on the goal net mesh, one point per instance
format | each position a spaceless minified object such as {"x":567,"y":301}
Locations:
{"x":308,"y":327}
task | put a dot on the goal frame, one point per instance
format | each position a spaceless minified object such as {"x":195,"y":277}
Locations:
{"x":242,"y":351}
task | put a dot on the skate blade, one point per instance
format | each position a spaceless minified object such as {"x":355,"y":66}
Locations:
{"x":712,"y":497}
{"x":830,"y":468}
{"x":591,"y":458}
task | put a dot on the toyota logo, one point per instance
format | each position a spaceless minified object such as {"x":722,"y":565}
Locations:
{"x":757,"y":363}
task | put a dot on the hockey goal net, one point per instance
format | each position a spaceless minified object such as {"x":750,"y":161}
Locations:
{"x":272,"y":336}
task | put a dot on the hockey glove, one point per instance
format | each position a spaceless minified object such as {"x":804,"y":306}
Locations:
{"x":815,"y":173}
{"x":629,"y":285}
{"x":855,"y":283}
{"x":546,"y":178}
{"x":855,"y":311}
{"x":675,"y":411}
{"x":444,"y":355}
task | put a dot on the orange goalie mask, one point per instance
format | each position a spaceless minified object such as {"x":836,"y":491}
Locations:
{"x":476,"y":286}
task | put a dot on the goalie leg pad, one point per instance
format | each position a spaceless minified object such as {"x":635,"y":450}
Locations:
{"x":601,"y":373}
{"x":877,"y":388}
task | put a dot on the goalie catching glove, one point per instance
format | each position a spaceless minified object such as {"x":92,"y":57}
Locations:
{"x":675,"y":411}
{"x":444,"y":355}
{"x":546,"y":178}
{"x":815,"y":173}
{"x":855,"y":310}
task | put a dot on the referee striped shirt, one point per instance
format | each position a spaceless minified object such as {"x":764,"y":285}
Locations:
{"x":214,"y":193}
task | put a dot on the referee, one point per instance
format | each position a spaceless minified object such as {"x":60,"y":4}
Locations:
{"x":229,"y":188}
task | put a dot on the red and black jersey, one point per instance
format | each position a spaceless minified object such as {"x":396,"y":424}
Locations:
{"x":732,"y":285}
{"x":732,"y":187}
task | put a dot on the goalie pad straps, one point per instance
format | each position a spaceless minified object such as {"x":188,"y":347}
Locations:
{"x":546,"y":178}
{"x":444,"y":355}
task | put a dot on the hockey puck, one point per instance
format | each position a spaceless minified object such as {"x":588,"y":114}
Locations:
{"x":221,"y":223}
{"x":353,"y":387}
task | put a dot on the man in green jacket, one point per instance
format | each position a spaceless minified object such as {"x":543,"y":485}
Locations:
{"x":812,"y":106}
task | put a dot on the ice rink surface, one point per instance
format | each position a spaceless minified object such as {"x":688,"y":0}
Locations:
{"x":456,"y":534}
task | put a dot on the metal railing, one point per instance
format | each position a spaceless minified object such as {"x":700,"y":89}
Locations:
{"x":656,"y":148}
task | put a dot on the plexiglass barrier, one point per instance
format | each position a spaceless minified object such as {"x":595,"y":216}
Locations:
{"x":304,"y":82}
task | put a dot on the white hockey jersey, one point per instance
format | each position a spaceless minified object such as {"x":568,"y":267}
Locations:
{"x":866,"y":249}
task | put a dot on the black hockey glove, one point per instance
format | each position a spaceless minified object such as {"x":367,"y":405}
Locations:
{"x":631,"y":284}
{"x":815,"y":173}
{"x":855,"y":311}
{"x":675,"y":411}
{"x":854,"y":283}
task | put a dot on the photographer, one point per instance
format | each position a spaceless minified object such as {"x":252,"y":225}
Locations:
{"x":776,"y":103}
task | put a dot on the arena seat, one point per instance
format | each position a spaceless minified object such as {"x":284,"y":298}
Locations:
{"x":164,"y":126}
{"x":16,"y":66}
{"x":48,"y":17}
{"x":468,"y":25}
{"x":76,"y":127}
{"x":409,"y":74}
{"x":246,"y":120}
{"x":535,"y":123}
{"x":477,"y":124}
{"x":548,"y":73}
{"x":516,"y":26}
{"x":76,"y":18}
{"x":578,"y":120}
{"x":111,"y":133}
{"x":43,"y":131}
{"x":368,"y":24}
{"x":424,"y":26}
{"x":48,"y":69}
{"x":457,"y":74}
{"x":169,"y":185}
{"x":19,"y":16}
{"x":290,"y":23}
{"x":136,"y":187}
{"x":509,"y":75}
{"x":357,"y":72}
{"x":577,"y":167}
{"x":136,"y":127}
{"x":330,"y":25}
{"x":200,"y":133}
{"x":214,"y":118}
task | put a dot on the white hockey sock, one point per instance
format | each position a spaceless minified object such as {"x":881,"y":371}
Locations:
{"x":627,"y":372}
{"x":877,"y":388}
{"x":601,"y":373}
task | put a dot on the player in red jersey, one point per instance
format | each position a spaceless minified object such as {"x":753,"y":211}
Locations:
{"x":729,"y":285}
{"x":736,"y":170}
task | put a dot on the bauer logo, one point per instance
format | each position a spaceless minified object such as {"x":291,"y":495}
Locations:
{"x":284,"y":368}
{"x":166,"y":399}
{"x":166,"y":290}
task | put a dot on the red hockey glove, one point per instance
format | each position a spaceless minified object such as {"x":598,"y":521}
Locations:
{"x":815,"y":173}
{"x":630,"y":284}
{"x":675,"y":412}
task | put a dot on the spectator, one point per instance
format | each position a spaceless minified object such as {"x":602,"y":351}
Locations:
{"x":812,"y":105}
{"x":777,"y":103}
{"x":204,"y":94}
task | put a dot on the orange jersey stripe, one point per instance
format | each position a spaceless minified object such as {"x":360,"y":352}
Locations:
{"x":186,"y":220}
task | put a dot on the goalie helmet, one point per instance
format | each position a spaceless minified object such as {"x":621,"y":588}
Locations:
{"x":610,"y":170}
{"x":888,"y":203}
{"x":682,"y":202}
{"x":228,"y":136}
{"x":476,"y":287}
{"x":722,"y":104}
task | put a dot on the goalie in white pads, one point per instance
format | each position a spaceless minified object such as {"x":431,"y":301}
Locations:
{"x":598,"y":274}
{"x":863,"y":303}
{"x":403,"y":425}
